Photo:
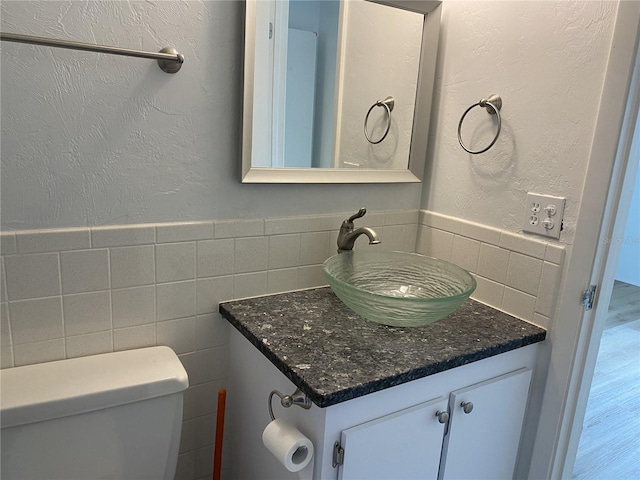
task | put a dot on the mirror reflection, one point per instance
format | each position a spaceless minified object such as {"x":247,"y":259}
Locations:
{"x":335,"y":87}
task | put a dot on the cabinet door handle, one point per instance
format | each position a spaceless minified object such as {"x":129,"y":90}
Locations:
{"x":467,"y":407}
{"x":443,"y":417}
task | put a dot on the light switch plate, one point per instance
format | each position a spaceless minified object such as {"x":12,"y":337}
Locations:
{"x":543,"y":215}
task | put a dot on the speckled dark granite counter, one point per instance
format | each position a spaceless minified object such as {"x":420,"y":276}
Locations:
{"x":333,"y":355}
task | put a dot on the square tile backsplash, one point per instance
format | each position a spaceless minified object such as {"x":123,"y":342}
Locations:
{"x":83,"y":291}
{"x":515,"y":273}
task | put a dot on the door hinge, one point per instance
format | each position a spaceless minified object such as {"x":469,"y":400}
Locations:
{"x":588,"y":297}
{"x":338,"y":455}
{"x":270,"y":30}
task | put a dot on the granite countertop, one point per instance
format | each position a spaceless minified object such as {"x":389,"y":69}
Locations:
{"x":334,"y":355}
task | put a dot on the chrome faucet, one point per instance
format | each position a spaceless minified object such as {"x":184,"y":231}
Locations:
{"x":347,"y":236}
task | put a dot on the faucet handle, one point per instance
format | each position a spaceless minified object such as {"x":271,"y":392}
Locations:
{"x":359,"y":214}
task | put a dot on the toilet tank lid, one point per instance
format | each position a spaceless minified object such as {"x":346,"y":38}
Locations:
{"x":50,"y":390}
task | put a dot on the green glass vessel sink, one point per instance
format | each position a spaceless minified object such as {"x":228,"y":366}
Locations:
{"x":398,"y":288}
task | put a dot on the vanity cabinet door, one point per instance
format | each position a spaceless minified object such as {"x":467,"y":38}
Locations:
{"x":484,"y":428}
{"x":405,"y":444}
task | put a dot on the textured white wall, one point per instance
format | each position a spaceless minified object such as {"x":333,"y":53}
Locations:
{"x":547,"y":60}
{"x":91,"y":139}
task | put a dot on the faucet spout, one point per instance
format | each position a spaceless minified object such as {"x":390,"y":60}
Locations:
{"x":347,"y":236}
{"x":347,"y":240}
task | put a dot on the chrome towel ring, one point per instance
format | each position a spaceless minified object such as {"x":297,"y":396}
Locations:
{"x":493,"y":104}
{"x":388,"y":104}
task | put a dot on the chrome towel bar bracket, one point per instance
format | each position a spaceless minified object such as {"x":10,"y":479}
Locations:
{"x":169,"y":60}
{"x":492,"y":104}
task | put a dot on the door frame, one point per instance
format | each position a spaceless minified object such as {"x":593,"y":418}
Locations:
{"x":575,"y":333}
{"x":616,"y":215}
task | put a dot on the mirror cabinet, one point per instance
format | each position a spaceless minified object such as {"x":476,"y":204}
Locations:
{"x":337,"y":91}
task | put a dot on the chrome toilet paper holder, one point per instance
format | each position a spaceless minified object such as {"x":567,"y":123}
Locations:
{"x":296,"y":398}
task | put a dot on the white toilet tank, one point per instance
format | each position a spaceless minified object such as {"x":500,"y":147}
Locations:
{"x":112,"y":416}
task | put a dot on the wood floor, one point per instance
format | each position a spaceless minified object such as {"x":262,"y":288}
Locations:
{"x":624,"y":305}
{"x":610,"y":441}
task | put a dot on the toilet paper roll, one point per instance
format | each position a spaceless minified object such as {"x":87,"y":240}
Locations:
{"x":288,"y":445}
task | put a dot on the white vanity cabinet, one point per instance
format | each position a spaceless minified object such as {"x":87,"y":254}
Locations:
{"x":404,"y":444}
{"x":484,"y":428}
{"x":394,"y":433}
{"x":481,"y":430}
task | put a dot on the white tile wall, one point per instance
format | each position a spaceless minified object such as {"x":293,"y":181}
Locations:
{"x":32,"y":276}
{"x":465,"y":252}
{"x":123,"y":235}
{"x":82,"y":291}
{"x":524,"y":272}
{"x":175,"y":261}
{"x":515,"y":273}
{"x":89,"y":344}
{"x":488,"y":291}
{"x":5,"y":329}
{"x":39,"y":352}
{"x":178,"y":334}
{"x":184,"y":232}
{"x":133,"y":306}
{"x":87,"y":312}
{"x":394,"y":237}
{"x":36,"y":319}
{"x":518,"y":303}
{"x":6,"y":356}
{"x":215,"y":257}
{"x":249,"y":284}
{"x":434,"y":242}
{"x":310,"y":276}
{"x":493,"y":262}
{"x":284,"y":251}
{"x":139,"y":336}
{"x":549,"y":286}
{"x":175,"y":300}
{"x":3,"y":282}
{"x":132,"y":266}
{"x":282,"y":280}
{"x":238,"y":228}
{"x":53,"y":240}
{"x":75,"y":292}
{"x":212,"y":291}
{"x":315,"y":248}
{"x":85,"y":270}
{"x":251,"y":254}
{"x":8,"y":244}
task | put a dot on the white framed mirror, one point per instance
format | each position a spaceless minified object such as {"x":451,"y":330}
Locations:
{"x":317,"y":78}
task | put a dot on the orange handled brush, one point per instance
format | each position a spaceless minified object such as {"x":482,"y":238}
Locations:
{"x":217,"y":451}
